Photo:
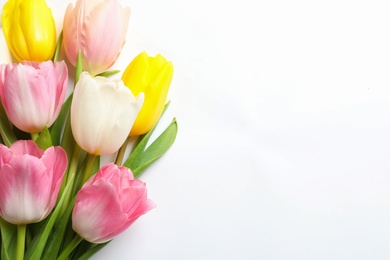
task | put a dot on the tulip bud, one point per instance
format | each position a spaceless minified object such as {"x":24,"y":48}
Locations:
{"x":29,"y":29}
{"x":102,"y":113}
{"x":33,"y":93}
{"x":152,"y":76}
{"x":98,"y":30}
{"x":30,"y":179}
{"x":108,"y":203}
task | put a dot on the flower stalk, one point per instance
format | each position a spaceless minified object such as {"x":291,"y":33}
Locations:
{"x":21,"y":240}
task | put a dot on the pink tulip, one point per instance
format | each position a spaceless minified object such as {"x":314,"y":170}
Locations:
{"x":108,"y":203}
{"x":32,"y":93}
{"x":30,"y":179}
{"x":96,"y":28}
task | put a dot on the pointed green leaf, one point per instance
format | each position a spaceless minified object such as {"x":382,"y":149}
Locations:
{"x":44,"y":139}
{"x":57,"y":127}
{"x":158,"y":148}
{"x":92,"y":251}
{"x":58,"y":47}
{"x":53,"y":245}
{"x":133,"y":161}
{"x":108,"y":73}
{"x":6,"y":132}
{"x":79,"y":68}
{"x":8,"y":240}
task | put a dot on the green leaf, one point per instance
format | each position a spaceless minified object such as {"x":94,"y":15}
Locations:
{"x":157,"y":149}
{"x":44,"y":139}
{"x":58,"y":47}
{"x":53,"y":245}
{"x":108,"y":73}
{"x":6,"y":132}
{"x":8,"y":240}
{"x":133,"y":161}
{"x":92,"y":251}
{"x":79,"y":68}
{"x":37,"y":245}
{"x":56,"y":128}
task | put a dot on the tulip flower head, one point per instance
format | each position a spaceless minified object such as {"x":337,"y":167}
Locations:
{"x":30,"y":179}
{"x":96,"y":28}
{"x":102,"y":113}
{"x":29,"y":29}
{"x":33,"y":93}
{"x":108,"y":203}
{"x":152,"y":76}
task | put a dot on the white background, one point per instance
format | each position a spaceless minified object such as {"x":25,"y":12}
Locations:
{"x":283,"y":146}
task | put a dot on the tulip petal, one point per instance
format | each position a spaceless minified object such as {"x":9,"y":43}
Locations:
{"x":71,"y":40}
{"x":97,"y":213}
{"x":109,"y":21}
{"x":55,"y":161}
{"x":102,"y":114}
{"x":5,"y":155}
{"x":23,"y":147}
{"x":23,"y":190}
{"x":21,"y":88}
{"x":39,"y":30}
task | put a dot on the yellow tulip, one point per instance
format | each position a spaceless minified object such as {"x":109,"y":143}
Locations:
{"x":29,"y":29}
{"x":152,"y":76}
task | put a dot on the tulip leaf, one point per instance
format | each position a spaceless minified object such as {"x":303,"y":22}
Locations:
{"x":157,"y":149}
{"x":56,"y":128}
{"x":108,"y":73}
{"x":37,"y":245}
{"x":79,"y":68}
{"x":92,"y":250}
{"x":6,"y":132}
{"x":58,"y":47}
{"x":53,"y":245}
{"x":44,"y":139}
{"x":133,"y":160}
{"x":8,"y":240}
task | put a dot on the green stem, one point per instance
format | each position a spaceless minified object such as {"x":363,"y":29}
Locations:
{"x":88,"y":168}
{"x":70,"y":178}
{"x":34,"y":136}
{"x":121,"y":152}
{"x":70,"y":247}
{"x":21,"y":239}
{"x":79,"y":68}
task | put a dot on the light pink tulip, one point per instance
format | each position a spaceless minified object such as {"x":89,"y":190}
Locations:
{"x":30,"y":179}
{"x":98,"y":29}
{"x":108,"y":203}
{"x":33,"y":93}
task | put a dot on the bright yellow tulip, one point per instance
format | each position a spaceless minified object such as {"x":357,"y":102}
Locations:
{"x":29,"y":29}
{"x":152,"y":76}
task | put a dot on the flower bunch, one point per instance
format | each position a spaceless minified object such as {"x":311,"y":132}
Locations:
{"x":58,"y":200}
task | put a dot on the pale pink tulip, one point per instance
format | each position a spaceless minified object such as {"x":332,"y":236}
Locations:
{"x":33,"y":93}
{"x":30,"y":179}
{"x":96,"y":28}
{"x":108,"y":203}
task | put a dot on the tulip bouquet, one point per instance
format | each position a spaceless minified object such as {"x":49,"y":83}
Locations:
{"x":58,"y":199}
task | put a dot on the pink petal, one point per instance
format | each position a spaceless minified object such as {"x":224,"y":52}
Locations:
{"x":70,"y":35}
{"x":109,"y":21}
{"x":97,"y":212}
{"x":22,"y":147}
{"x":5,"y":155}
{"x":24,"y":190}
{"x":56,"y":161}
